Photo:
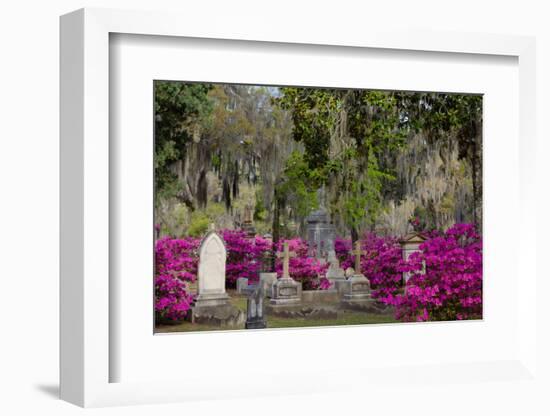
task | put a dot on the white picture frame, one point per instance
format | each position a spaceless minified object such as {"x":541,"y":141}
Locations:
{"x":85,"y":353}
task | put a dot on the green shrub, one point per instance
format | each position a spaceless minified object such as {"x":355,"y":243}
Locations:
{"x":199,"y":224}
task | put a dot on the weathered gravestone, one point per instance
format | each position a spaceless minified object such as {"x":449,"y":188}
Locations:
{"x":356,"y":288}
{"x":242,"y":286}
{"x":286,"y":290}
{"x":335,"y":274}
{"x":266,"y":282}
{"x":212,"y":304}
{"x":410,"y":244}
{"x":255,"y":316}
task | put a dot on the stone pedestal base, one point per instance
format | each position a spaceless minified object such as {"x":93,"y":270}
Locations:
{"x":226,"y":315}
{"x":298,"y":311}
{"x":356,"y":294}
{"x":338,"y":285}
{"x":286,"y":291}
{"x":356,"y":287}
{"x":216,"y":310}
{"x":213,"y":299}
{"x":255,"y":324}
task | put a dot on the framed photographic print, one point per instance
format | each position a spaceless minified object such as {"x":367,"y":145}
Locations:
{"x":300,"y":206}
{"x":328,"y":208}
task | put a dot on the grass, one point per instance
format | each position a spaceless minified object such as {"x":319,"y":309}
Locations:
{"x":347,"y":318}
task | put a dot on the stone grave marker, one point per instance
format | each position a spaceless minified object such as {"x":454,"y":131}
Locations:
{"x":266,"y":281}
{"x":255,"y":316}
{"x":212,"y":304}
{"x":356,"y":288}
{"x":242,"y":285}
{"x":410,"y":244}
{"x":334,"y":272}
{"x":286,"y":290}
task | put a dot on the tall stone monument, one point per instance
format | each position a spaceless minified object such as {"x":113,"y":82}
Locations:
{"x":319,"y":230}
{"x":212,"y":304}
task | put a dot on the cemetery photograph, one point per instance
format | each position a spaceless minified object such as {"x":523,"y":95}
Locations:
{"x":285,"y":206}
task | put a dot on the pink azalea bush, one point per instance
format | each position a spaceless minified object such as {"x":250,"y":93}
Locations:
{"x":303,"y":268}
{"x":245,"y":256}
{"x":446,"y":278}
{"x":175,"y":265}
{"x":342,"y":247}
{"x":446,"y":274}
{"x":172,"y":300}
{"x":381,"y":263}
{"x":445,"y":283}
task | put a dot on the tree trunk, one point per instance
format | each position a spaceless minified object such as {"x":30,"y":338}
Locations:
{"x":202,"y":190}
{"x":276,"y":227}
{"x":185,"y":195}
{"x":477,"y":177}
{"x":354,"y":235}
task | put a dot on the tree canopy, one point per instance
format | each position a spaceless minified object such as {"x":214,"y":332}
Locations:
{"x":378,"y":155}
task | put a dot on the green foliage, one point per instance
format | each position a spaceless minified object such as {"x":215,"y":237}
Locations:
{"x":180,"y":108}
{"x":276,"y":147}
{"x":454,"y":115}
{"x":199,"y":224}
{"x":345,"y":133}
{"x":200,"y":220}
{"x":363,"y":195}
{"x":261,"y":213}
{"x":314,"y":112}
{"x":298,"y":185}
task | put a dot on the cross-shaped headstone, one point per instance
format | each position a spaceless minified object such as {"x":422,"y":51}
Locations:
{"x":358,"y":253}
{"x":286,"y":255}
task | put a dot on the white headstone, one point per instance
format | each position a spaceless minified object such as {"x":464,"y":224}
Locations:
{"x":212,"y":255}
{"x":212,"y":304}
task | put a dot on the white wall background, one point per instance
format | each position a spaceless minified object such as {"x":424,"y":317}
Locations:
{"x":29,"y":115}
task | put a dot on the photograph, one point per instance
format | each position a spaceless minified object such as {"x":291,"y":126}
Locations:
{"x":293,"y":206}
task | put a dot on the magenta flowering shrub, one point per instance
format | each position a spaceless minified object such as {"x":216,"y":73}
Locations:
{"x":245,"y":255}
{"x":451,"y":286}
{"x":381,"y":264}
{"x":175,"y":264}
{"x":342,"y":247}
{"x":178,"y":257}
{"x":302,"y":268}
{"x":445,"y":283}
{"x":172,"y":300}
{"x":446,"y":274}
